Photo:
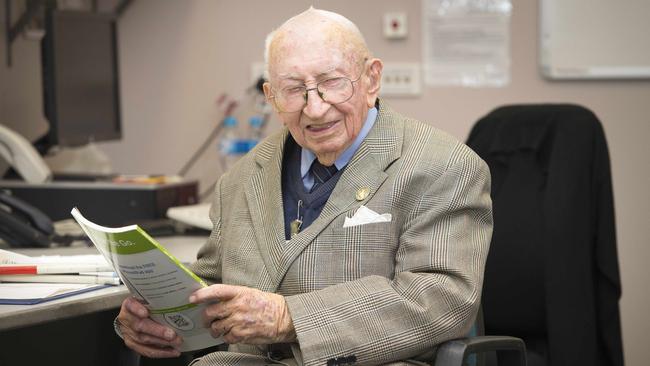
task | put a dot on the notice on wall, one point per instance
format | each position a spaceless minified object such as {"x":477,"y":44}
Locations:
{"x":466,"y":42}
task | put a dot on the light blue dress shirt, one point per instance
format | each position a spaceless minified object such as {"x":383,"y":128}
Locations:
{"x":307,"y":157}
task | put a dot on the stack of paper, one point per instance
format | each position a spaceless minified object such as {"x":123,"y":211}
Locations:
{"x":36,"y":293}
{"x":80,"y":269}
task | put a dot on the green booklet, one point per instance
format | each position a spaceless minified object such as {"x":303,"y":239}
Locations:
{"x":155,"y":278}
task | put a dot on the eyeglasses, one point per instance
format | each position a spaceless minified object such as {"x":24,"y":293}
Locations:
{"x":333,"y":91}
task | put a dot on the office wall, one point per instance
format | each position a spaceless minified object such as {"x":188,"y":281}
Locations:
{"x":178,"y":56}
{"x":21,"y":104}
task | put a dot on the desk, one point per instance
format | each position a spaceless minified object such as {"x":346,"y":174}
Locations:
{"x":76,"y":330}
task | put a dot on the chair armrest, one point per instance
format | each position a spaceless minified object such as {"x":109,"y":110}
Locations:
{"x":456,"y":351}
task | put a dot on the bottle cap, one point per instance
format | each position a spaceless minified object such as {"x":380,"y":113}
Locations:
{"x":230,"y":121}
{"x":255,"y":121}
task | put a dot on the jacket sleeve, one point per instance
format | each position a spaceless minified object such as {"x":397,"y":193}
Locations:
{"x":435,"y":292}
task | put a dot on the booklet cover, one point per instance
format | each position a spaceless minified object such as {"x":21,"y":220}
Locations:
{"x":154,"y":277}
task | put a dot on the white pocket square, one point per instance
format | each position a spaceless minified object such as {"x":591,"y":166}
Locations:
{"x":364,"y":215}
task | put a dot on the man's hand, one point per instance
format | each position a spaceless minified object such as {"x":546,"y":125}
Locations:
{"x":245,"y":315}
{"x":145,"y":336}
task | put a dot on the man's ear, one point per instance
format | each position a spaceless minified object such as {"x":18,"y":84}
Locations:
{"x":267,"y":91}
{"x":374,"y":81}
{"x":267,"y":94}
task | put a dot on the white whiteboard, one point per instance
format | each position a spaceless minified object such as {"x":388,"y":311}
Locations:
{"x":595,"y":39}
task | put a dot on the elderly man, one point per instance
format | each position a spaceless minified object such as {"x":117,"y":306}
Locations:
{"x":354,"y":235}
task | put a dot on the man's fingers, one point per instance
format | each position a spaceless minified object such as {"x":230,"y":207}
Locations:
{"x":220,"y":310}
{"x":133,"y":306}
{"x":151,"y":351}
{"x":145,"y":336}
{"x":134,"y":320}
{"x":149,"y":340}
{"x":140,"y":338}
{"x":215,"y":292}
{"x":245,"y":315}
{"x":221,"y":328}
{"x":153,"y":329}
{"x":233,"y":333}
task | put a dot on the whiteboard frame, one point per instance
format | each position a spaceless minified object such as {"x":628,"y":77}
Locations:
{"x":552,"y":70}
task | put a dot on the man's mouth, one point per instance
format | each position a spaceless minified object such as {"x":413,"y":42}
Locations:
{"x":321,"y":127}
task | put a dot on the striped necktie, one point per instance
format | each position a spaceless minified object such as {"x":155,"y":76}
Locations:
{"x":321,"y":173}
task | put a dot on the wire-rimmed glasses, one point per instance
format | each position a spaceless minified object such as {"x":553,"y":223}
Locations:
{"x":332,"y":91}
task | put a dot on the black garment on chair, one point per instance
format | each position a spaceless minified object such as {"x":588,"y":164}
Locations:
{"x":552,"y":272}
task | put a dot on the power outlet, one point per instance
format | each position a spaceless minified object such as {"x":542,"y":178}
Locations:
{"x":401,"y":79}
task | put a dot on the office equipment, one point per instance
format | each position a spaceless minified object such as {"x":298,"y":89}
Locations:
{"x":195,"y":215}
{"x":586,"y":39}
{"x":22,"y":225}
{"x":552,"y":274}
{"x":111,"y":203}
{"x":80,"y":78}
{"x":22,"y":156}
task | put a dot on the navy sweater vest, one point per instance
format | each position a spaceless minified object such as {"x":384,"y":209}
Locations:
{"x":294,"y":192}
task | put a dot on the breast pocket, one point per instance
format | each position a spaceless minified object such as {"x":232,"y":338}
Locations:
{"x":361,"y":250}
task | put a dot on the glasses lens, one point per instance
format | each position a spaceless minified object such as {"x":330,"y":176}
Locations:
{"x":333,"y":91}
{"x":336,"y":90}
{"x":291,"y":99}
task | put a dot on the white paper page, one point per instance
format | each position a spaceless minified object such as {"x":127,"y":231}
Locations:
{"x":22,"y":291}
{"x":8,"y":257}
{"x":466,"y":42}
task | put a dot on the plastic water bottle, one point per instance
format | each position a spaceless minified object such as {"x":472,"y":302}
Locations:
{"x":234,"y":141}
{"x":255,"y":127}
{"x":228,"y":150}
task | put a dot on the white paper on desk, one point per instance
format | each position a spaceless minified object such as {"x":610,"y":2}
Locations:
{"x":364,"y":215}
{"x":23,"y":291}
{"x":9,"y":257}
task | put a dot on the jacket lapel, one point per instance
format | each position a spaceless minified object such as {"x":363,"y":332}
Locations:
{"x":379,"y":149}
{"x":264,"y":198}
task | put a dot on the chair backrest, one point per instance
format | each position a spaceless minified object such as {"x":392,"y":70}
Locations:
{"x":551,"y":275}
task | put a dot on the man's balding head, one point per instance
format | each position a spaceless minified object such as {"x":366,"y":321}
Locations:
{"x":319,"y":28}
{"x":322,"y":81}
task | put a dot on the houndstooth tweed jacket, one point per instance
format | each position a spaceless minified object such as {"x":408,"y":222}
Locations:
{"x":368,"y":294}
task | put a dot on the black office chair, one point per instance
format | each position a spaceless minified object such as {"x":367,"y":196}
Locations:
{"x":552,"y":274}
{"x":476,"y":348}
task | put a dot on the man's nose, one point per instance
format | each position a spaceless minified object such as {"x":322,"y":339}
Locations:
{"x":315,"y":106}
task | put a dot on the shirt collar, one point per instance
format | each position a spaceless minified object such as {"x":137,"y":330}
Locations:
{"x":307,"y":157}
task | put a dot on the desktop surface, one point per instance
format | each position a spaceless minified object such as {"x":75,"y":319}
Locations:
{"x":21,"y":316}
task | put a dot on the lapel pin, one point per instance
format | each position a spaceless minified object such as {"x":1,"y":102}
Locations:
{"x":362,"y":193}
